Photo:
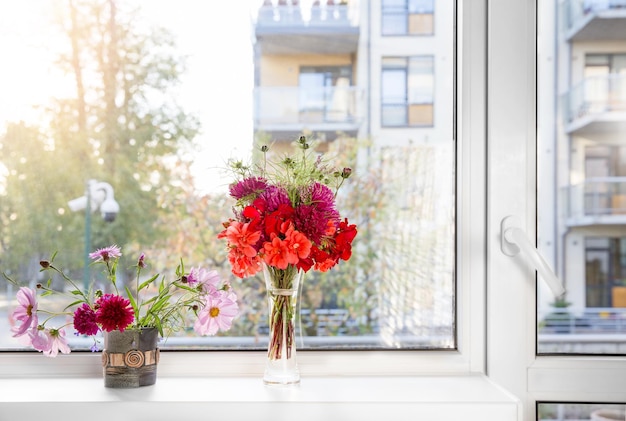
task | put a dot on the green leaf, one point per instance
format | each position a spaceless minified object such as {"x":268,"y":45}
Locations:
{"x":73,"y":304}
{"x":133,"y":303}
{"x":76,"y":292}
{"x":148,"y":282}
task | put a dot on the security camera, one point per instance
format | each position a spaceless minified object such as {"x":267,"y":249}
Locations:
{"x":99,"y":195}
{"x":109,"y":209}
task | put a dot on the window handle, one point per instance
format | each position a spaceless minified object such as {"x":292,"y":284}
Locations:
{"x":514,"y":239}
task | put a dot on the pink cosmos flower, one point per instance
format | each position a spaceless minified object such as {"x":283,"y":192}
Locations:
{"x":40,"y":339}
{"x":56,"y":342}
{"x":26,"y":312}
{"x":106,"y":254}
{"x":113,"y":312}
{"x":208,"y":280}
{"x":217,"y":314}
{"x":85,"y":320}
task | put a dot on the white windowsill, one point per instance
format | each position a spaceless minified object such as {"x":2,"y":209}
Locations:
{"x":442,"y":398}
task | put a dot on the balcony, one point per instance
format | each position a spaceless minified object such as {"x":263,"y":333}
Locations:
{"x":596,"y":105}
{"x":596,"y":201}
{"x":593,"y":20}
{"x":284,"y":112}
{"x":292,"y":29}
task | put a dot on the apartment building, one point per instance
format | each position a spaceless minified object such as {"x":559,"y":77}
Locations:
{"x":582,"y":92}
{"x":382,"y":72}
{"x":361,"y":68}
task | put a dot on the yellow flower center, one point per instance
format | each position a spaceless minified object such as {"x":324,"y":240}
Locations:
{"x":29,"y":310}
{"x":214,"y":312}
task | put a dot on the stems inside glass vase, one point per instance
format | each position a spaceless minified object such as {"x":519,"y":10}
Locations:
{"x":282,"y":292}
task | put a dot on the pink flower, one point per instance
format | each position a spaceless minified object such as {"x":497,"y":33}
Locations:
{"x":106,"y":254}
{"x":208,"y":280}
{"x":113,"y":312}
{"x":40,"y":339}
{"x":85,"y":320}
{"x":56,"y":342}
{"x":217,"y":314}
{"x":26,"y":312}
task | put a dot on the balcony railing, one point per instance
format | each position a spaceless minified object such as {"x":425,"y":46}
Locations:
{"x":596,"y":200}
{"x":290,"y":106}
{"x":588,"y":19}
{"x":594,"y":97}
{"x":598,"y":320}
{"x":315,"y":16}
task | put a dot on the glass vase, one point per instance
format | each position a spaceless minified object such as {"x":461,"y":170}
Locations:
{"x":283,"y":287}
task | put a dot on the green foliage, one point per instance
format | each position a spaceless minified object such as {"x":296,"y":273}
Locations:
{"x":120,"y":126}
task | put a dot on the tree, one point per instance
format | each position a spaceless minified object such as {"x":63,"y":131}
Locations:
{"x":121,"y":125}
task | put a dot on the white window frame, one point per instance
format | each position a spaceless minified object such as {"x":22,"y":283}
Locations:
{"x":496,"y":293}
{"x":511,"y":183}
{"x":470,"y":355}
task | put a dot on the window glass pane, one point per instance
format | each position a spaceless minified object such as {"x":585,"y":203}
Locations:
{"x":157,"y":107}
{"x":421,"y":80}
{"x":394,"y":17}
{"x":580,"y":411}
{"x":581,"y":184}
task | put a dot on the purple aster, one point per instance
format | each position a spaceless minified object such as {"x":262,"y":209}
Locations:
{"x":251,"y":186}
{"x":106,"y":254}
{"x":317,"y":209}
{"x":275,"y":196}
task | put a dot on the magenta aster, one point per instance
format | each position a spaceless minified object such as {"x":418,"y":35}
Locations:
{"x":275,"y":196}
{"x":105,"y":254}
{"x":248,"y":187}
{"x":113,"y":312}
{"x":85,"y":320}
{"x":317,"y":209}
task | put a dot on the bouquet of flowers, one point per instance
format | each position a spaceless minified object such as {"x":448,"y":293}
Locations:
{"x":155,"y":303}
{"x":286,"y":222}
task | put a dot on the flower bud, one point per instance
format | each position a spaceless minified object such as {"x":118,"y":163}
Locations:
{"x":39,"y":286}
{"x":265,"y":148}
{"x":44,"y":264}
{"x":184,"y":279}
{"x":141,"y":262}
{"x":346,"y":172}
{"x":302,"y":140}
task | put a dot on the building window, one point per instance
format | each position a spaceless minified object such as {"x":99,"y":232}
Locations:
{"x":325,"y":94}
{"x":407,"y":91}
{"x":407,"y":17}
{"x":605,"y":272}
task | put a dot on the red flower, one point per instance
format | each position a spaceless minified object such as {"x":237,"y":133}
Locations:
{"x":343,"y":239}
{"x":279,"y":221}
{"x":85,"y":320}
{"x":242,"y":237}
{"x":113,"y":312}
{"x":276,"y":253}
{"x":297,"y":245}
{"x":242,"y":265}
